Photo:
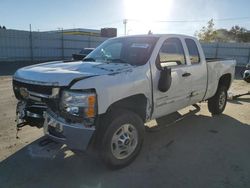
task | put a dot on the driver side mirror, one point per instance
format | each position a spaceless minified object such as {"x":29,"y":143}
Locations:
{"x":165,"y":79}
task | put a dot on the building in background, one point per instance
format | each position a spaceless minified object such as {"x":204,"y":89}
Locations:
{"x":108,"y":32}
{"x":104,"y":32}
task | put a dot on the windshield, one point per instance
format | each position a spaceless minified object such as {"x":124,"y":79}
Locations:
{"x":131,"y":50}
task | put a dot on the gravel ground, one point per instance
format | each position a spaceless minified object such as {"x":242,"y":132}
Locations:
{"x":198,"y":151}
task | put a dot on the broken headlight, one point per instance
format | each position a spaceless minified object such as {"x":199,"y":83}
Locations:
{"x":79,"y":105}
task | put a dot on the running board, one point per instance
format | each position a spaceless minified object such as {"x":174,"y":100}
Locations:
{"x":159,"y":127}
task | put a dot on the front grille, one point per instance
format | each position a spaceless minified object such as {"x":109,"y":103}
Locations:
{"x":52,"y":103}
{"x":47,"y":90}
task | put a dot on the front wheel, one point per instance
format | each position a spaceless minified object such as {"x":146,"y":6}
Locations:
{"x":217,"y":103}
{"x":122,"y":139}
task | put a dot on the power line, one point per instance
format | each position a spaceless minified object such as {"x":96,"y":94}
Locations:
{"x":108,"y":23}
{"x":186,"y":21}
{"x":169,"y":21}
{"x":229,"y":19}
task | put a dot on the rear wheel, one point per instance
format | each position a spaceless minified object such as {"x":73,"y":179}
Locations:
{"x":122,"y":139}
{"x":246,"y":76}
{"x":217,"y":103}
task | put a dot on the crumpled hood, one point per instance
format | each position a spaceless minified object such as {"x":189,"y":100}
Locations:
{"x":59,"y":73}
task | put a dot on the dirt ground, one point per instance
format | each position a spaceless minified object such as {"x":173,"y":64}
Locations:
{"x":198,"y":151}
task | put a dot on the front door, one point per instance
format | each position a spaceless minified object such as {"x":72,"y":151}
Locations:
{"x":178,"y":95}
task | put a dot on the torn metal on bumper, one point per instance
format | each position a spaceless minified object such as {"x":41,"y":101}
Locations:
{"x":75,"y":136}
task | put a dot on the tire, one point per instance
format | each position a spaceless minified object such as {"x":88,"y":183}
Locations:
{"x":246,"y":76}
{"x":248,"y":80}
{"x":217,"y":103}
{"x":123,"y":130}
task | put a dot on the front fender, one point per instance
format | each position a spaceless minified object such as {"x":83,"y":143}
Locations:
{"x":114,"y":87}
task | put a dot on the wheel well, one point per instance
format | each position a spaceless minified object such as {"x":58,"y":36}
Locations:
{"x":135,"y":103}
{"x":225,"y":80}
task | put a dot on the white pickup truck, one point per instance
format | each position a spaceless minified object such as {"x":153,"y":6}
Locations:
{"x":126,"y":81}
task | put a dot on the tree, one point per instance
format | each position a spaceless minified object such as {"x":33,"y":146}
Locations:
{"x":235,"y":34}
{"x":222,"y":35}
{"x":207,"y":33}
{"x":239,"y":34}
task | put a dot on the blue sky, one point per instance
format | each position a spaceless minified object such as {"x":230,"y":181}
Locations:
{"x":142,"y":15}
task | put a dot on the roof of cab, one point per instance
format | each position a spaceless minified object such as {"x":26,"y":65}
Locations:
{"x":156,"y":35}
{"x":159,"y":35}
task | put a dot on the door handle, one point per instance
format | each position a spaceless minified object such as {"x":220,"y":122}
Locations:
{"x":186,"y":74}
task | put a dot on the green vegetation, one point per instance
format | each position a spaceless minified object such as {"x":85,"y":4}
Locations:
{"x":209,"y":34}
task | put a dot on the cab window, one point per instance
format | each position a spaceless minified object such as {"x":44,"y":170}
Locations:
{"x":193,"y":51}
{"x":172,"y":53}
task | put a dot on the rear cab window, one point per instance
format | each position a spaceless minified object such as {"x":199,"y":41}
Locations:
{"x":172,"y":53}
{"x":193,"y":51}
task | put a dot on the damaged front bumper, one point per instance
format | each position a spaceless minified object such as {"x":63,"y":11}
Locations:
{"x":30,"y":114}
{"x":37,"y":106}
{"x":75,"y":136}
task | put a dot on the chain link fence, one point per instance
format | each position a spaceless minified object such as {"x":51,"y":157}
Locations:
{"x":42,"y":46}
{"x":238,"y":51}
{"x":22,"y":48}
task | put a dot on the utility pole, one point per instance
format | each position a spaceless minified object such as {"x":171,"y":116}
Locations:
{"x":125,"y":21}
{"x":62,"y":42}
{"x":31,"y":45}
{"x":62,"y":45}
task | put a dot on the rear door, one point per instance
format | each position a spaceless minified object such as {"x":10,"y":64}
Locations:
{"x":177,"y":96}
{"x":197,"y":69}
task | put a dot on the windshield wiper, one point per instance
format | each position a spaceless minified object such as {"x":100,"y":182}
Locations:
{"x":88,"y":59}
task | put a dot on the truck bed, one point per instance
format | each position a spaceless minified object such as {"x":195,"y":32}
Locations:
{"x":216,"y":67}
{"x":209,"y":60}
